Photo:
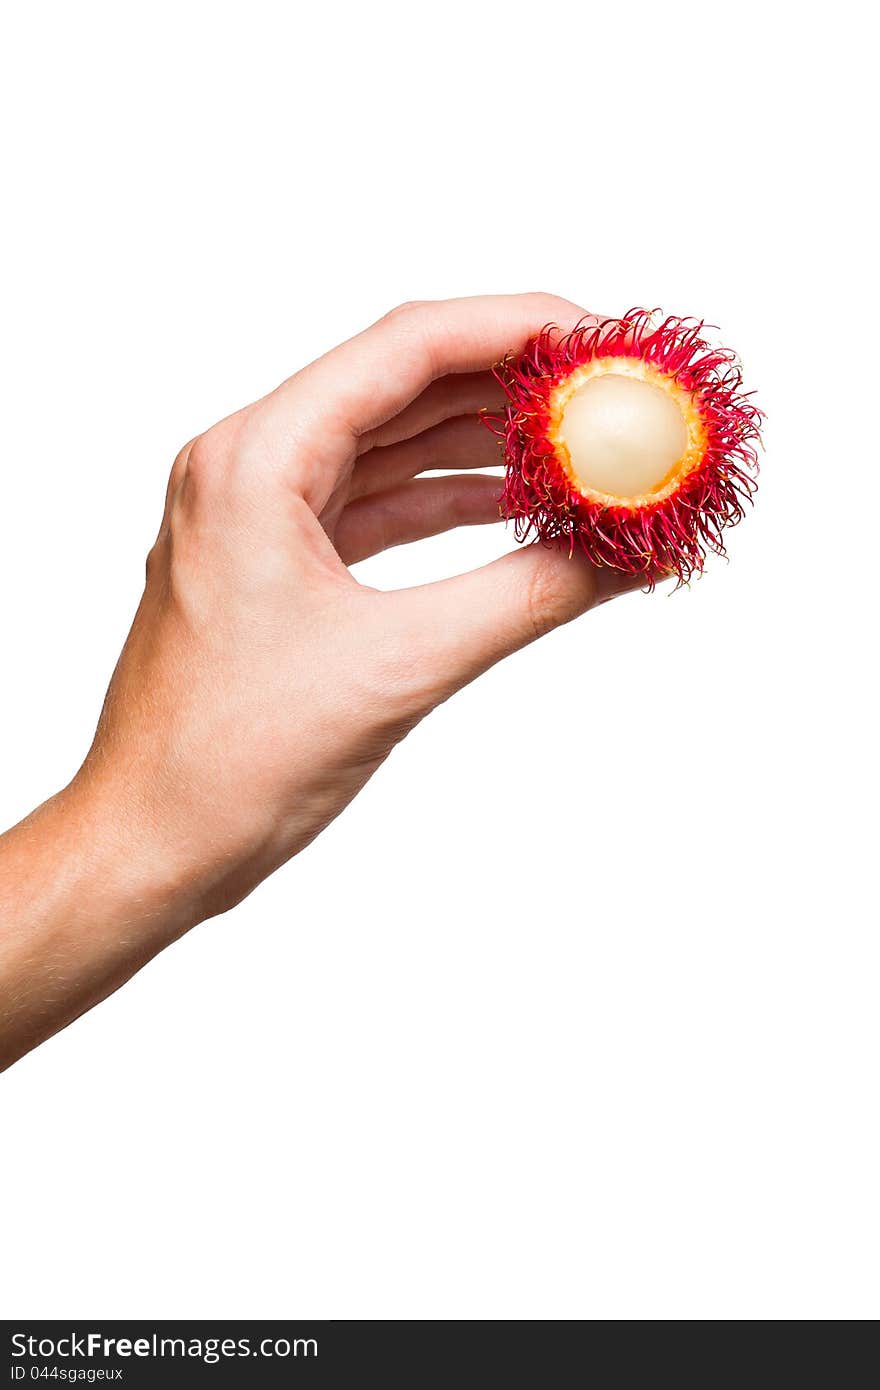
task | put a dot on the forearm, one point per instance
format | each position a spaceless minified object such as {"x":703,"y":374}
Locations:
{"x":85,"y":901}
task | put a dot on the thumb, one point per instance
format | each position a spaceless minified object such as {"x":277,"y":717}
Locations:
{"x":473,"y":620}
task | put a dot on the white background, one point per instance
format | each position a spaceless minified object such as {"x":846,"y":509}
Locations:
{"x":574,"y":1012}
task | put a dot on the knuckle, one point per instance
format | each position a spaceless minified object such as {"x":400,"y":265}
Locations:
{"x":178,"y":472}
{"x":224,"y":454}
{"x":408,"y":310}
{"x":160,"y":555}
{"x":152,"y":564}
{"x":548,"y":599}
{"x":552,"y":306}
{"x":183,"y":455}
{"x":205,"y":454}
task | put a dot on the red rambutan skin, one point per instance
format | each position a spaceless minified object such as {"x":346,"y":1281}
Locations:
{"x":664,"y":538}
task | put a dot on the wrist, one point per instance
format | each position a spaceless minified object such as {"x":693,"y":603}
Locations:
{"x":84,"y":902}
{"x":122,"y":858}
{"x":165,"y":852}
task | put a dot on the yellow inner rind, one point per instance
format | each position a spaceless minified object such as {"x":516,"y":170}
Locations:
{"x":635,"y":367}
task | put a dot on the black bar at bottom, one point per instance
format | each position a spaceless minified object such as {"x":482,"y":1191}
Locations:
{"x":190,"y":1353}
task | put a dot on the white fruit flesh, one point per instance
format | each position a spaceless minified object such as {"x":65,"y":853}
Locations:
{"x":624,"y":436}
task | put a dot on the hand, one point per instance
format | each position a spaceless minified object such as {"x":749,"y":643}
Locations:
{"x":261,"y":685}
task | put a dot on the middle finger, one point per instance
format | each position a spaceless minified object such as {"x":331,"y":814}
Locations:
{"x":461,"y":442}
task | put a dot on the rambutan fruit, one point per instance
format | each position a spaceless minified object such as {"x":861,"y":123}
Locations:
{"x":631,"y":439}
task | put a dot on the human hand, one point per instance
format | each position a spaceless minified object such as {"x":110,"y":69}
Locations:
{"x":261,"y":685}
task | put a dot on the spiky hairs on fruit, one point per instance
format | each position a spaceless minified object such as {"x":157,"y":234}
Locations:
{"x":629,"y":438}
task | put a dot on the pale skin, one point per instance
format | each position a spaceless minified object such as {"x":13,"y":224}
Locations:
{"x":261,"y":684}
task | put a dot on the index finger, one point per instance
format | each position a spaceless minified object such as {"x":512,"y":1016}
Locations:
{"x":370,"y":378}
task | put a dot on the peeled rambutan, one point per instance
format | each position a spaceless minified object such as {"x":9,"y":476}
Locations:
{"x":631,"y":439}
